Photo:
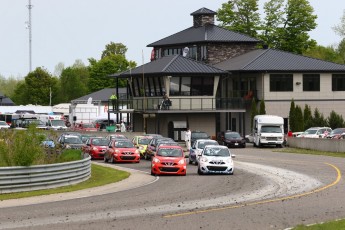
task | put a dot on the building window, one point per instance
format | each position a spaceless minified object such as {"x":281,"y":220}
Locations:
{"x":311,"y":82}
{"x":191,"y":86}
{"x":153,"y":86}
{"x":281,"y":82}
{"x":338,"y":82}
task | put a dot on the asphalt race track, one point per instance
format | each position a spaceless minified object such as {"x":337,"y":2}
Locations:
{"x":268,"y":190}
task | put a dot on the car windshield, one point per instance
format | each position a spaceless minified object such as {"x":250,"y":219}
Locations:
{"x":199,"y":135}
{"x":310,"y":131}
{"x":3,"y":123}
{"x":58,"y":123}
{"x":73,"y":140}
{"x":144,"y":141}
{"x":232,"y":135}
{"x":217,"y":152}
{"x":338,"y":131}
{"x":167,"y":152}
{"x":167,"y":143}
{"x":100,"y":142}
{"x":117,"y":137}
{"x":124,"y":144}
{"x":271,"y":129}
{"x":202,"y":144}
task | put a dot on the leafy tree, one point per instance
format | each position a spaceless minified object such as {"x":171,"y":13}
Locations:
{"x":241,"y":16}
{"x":262,"y":107}
{"x":74,"y":81}
{"x":299,"y":21}
{"x":318,"y":119}
{"x":292,"y":120}
{"x":38,"y":88}
{"x":58,"y":69}
{"x":298,"y":116}
{"x":8,"y":85}
{"x":19,"y":97}
{"x":113,"y":61}
{"x":253,"y":112}
{"x":307,"y":117}
{"x":114,"y":48}
{"x":326,"y":53}
{"x":335,"y":120}
{"x":340,"y":29}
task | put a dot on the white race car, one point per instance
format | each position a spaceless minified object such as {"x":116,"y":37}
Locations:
{"x":216,"y":159}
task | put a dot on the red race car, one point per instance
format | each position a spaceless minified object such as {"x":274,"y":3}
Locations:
{"x":169,"y":160}
{"x":96,"y":147}
{"x":122,"y":151}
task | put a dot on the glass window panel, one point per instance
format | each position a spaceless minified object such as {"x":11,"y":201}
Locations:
{"x":174,"y":85}
{"x":185,"y":86}
{"x":311,"y":82}
{"x":338,"y":82}
{"x":281,"y":82}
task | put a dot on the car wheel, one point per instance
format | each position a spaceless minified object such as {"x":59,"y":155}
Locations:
{"x":199,"y":171}
{"x":146,"y":157}
{"x":152,"y":173}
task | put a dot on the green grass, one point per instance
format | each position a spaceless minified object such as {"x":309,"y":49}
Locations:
{"x":309,"y":151}
{"x":333,"y":225}
{"x":99,"y":176}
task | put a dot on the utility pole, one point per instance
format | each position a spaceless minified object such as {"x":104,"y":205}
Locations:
{"x":29,"y":27}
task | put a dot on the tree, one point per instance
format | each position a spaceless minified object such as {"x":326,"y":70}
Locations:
{"x":241,"y":16}
{"x":328,"y":53}
{"x":298,"y":116}
{"x":299,"y":21}
{"x":307,"y":117}
{"x":114,"y":48}
{"x":318,"y":119}
{"x":262,"y":107}
{"x":113,"y":61}
{"x":253,"y":112}
{"x":340,"y":29}
{"x":8,"y":85}
{"x":335,"y":121}
{"x":37,"y":89}
{"x":292,"y":120}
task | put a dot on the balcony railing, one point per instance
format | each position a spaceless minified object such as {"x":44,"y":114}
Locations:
{"x":191,"y":103}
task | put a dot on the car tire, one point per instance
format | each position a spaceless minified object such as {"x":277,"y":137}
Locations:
{"x":199,"y":171}
{"x":152,"y":173}
{"x":146,"y":157}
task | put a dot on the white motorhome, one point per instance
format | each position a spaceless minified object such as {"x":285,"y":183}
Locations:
{"x":53,"y":121}
{"x":268,"y":130}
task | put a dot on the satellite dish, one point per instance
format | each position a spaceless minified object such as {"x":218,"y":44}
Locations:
{"x":185,"y":51}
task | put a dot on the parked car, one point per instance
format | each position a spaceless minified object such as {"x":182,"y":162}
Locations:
{"x":316,"y":132}
{"x":4,"y":125}
{"x":141,"y":143}
{"x":216,"y":159}
{"x":103,"y":123}
{"x":232,"y":139}
{"x":85,"y":127}
{"x":336,"y":133}
{"x":96,"y":147}
{"x":196,"y":135}
{"x":169,"y":160}
{"x":197,"y":148}
{"x":151,"y":147}
{"x":121,"y":151}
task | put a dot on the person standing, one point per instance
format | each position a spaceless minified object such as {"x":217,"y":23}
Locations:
{"x":113,"y":99}
{"x":123,"y":127}
{"x":187,"y":138}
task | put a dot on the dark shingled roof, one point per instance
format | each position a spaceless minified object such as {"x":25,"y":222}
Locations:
{"x":169,"y":65}
{"x":277,"y":60}
{"x":207,"y":33}
{"x":203,"y":11}
{"x":6,"y":101}
{"x":101,"y":95}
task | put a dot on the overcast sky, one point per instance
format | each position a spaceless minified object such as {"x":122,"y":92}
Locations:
{"x":67,"y":30}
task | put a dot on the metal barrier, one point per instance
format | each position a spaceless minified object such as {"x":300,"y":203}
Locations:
{"x":21,"y":178}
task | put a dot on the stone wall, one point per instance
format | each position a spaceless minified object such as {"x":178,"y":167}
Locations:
{"x":222,"y":51}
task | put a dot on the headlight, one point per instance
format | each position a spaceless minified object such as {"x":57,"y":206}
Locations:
{"x":263,"y":137}
{"x":94,"y":149}
{"x":229,"y":161}
{"x":67,"y":146}
{"x":137,"y":152}
{"x":141,"y":148}
{"x":156,"y":160}
{"x":117,"y":151}
{"x":280,"y":138}
{"x":181,"y":162}
{"x":203,"y":159}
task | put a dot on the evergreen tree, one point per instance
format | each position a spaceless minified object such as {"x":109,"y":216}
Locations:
{"x":298,"y":116}
{"x":292,"y":121}
{"x":254,"y":112}
{"x":318,"y":119}
{"x":335,"y":120}
{"x":262,"y":107}
{"x":307,"y":117}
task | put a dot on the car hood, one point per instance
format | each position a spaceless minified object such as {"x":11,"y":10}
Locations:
{"x":169,"y":159}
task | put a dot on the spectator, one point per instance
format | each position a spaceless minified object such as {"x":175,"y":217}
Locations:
{"x":113,"y":99}
{"x":123,"y":127}
{"x":187,"y":138}
{"x":290,"y":133}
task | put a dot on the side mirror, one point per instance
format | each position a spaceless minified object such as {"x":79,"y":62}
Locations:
{"x":199,"y":154}
{"x":233,"y":156}
{"x":110,"y":146}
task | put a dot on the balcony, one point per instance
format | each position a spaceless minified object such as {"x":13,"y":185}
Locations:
{"x":202,"y":104}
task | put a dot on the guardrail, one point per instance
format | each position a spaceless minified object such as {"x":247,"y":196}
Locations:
{"x":320,"y":144}
{"x":21,"y":178}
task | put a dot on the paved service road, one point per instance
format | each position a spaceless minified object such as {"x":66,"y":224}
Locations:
{"x":269,"y":190}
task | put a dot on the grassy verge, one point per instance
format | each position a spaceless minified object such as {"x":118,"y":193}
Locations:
{"x":99,"y":176}
{"x":333,"y":225}
{"x":312,"y":152}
